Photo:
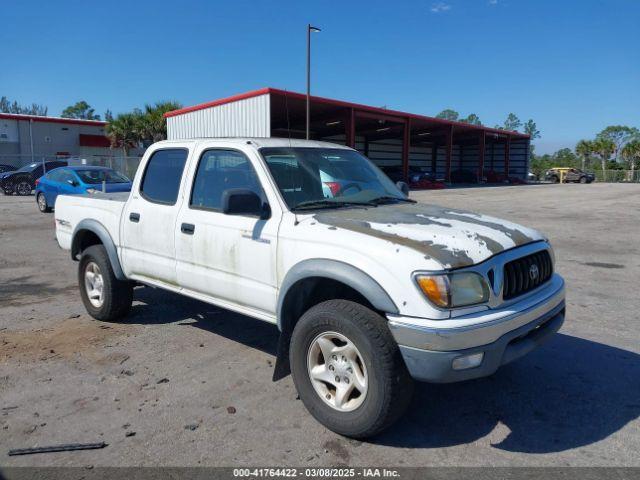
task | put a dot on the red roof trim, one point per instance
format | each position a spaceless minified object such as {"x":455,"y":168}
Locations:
{"x":36,"y":118}
{"x":222,"y":101}
{"x":341,"y":103}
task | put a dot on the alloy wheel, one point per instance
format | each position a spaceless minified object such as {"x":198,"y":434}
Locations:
{"x":337,"y":371}
{"x":42,"y":202}
{"x":23,"y":188}
{"x":94,"y":284}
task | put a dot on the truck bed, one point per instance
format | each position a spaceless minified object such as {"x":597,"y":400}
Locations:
{"x":104,"y":208}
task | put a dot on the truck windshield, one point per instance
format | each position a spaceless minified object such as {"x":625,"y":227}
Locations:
{"x":92,"y":177}
{"x":328,"y":178}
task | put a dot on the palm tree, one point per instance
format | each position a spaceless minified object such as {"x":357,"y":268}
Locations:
{"x":584,"y":149}
{"x":153,"y":125}
{"x":123,"y":132}
{"x":631,"y":153}
{"x":604,"y":148}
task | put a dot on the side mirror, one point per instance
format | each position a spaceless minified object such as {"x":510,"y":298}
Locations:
{"x":403,"y":187}
{"x":73,"y":183}
{"x":242,"y":201}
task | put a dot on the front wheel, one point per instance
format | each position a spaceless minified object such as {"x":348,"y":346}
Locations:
{"x":24,"y":188}
{"x":583,"y":179}
{"x":42,"y":203}
{"x":348,"y":369}
{"x":104,"y":296}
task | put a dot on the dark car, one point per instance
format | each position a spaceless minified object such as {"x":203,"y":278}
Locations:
{"x":418,"y":177}
{"x":569,"y":175}
{"x":6,"y":168}
{"x":23,"y":180}
{"x":491,"y":176}
{"x":464,"y":176}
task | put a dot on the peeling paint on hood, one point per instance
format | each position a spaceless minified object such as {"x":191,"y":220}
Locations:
{"x":453,"y":238}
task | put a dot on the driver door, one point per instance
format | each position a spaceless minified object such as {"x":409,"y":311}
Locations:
{"x":229,"y":258}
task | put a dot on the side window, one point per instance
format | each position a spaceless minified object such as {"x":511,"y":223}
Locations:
{"x":64,"y":176}
{"x":219,"y":170}
{"x":161,"y":179}
{"x":55,"y":176}
{"x":69,"y":175}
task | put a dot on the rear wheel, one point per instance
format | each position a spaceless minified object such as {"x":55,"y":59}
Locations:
{"x":42,"y":203}
{"x":555,"y":179}
{"x":24,"y":188}
{"x":9,"y":189}
{"x":583,"y":179}
{"x":104,"y":296}
{"x":348,"y":369}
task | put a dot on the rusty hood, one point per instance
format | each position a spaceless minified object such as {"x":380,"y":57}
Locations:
{"x":454,"y":238}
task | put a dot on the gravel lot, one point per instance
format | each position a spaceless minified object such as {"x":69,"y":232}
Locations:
{"x":185,"y":383}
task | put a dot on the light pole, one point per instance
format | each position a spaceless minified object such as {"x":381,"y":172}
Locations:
{"x":310,"y":29}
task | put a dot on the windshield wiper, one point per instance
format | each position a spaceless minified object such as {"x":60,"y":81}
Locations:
{"x":325,"y":203}
{"x":389,"y":198}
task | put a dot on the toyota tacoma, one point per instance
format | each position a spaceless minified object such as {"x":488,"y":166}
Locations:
{"x":369,"y":289}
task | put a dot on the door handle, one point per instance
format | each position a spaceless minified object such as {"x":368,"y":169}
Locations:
{"x":188,"y":228}
{"x":134,"y":217}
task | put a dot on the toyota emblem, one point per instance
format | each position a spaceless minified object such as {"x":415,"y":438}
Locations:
{"x":533,"y":272}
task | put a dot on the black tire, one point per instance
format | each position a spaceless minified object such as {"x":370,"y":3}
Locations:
{"x":555,"y":179}
{"x":117,"y":294}
{"x":9,"y":189}
{"x":23,"y":188}
{"x":390,"y":386}
{"x":583,"y":179}
{"x":41,"y":201}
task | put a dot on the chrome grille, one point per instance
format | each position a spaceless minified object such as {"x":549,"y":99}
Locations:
{"x":524,"y":274}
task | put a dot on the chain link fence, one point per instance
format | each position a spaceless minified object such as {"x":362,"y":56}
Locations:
{"x":617,"y":176}
{"x":129,"y":165}
{"x":125,"y":165}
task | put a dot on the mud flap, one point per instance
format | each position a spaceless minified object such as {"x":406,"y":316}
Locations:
{"x":282,"y":368}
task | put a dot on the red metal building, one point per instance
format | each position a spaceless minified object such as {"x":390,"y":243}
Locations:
{"x":452,"y":151}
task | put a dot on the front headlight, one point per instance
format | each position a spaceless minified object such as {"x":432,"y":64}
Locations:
{"x":454,"y":289}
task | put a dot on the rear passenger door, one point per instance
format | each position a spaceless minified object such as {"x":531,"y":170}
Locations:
{"x":149,"y":217}
{"x":228,"y":258}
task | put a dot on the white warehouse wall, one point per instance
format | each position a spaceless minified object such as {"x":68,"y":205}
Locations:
{"x":249,"y":117}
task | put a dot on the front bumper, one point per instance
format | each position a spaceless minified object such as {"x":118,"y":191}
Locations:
{"x":502,"y":336}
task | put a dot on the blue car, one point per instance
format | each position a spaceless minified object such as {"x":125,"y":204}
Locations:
{"x":77,"y":180}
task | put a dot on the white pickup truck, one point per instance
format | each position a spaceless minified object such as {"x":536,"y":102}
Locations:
{"x":368,"y":288}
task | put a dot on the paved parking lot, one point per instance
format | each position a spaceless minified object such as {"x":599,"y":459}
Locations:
{"x":185,"y":383}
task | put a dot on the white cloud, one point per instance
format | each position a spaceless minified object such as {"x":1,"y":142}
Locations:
{"x":440,"y":7}
{"x":493,"y":2}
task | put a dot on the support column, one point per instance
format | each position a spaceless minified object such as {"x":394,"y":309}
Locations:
{"x":350,"y":128}
{"x":481,"y":156}
{"x":434,"y":159}
{"x":448,"y":157}
{"x":406,"y":144}
{"x":507,"y":153}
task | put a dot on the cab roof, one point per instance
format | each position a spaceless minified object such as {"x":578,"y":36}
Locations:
{"x":260,"y":142}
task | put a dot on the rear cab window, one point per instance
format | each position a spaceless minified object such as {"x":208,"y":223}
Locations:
{"x":162,"y":175}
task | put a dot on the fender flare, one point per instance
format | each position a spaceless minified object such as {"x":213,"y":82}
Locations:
{"x":341,"y":272}
{"x":103,"y":234}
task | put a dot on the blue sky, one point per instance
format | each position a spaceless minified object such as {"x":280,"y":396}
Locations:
{"x":571,"y":65}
